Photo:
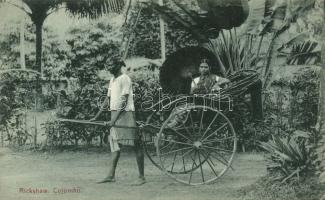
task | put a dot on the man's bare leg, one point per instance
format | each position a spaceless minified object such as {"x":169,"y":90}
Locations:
{"x":112,"y":167}
{"x":140,"y":158}
{"x":140,"y":161}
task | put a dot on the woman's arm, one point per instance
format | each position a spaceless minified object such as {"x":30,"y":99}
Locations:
{"x":223,"y":81}
{"x":220,"y":81}
{"x":193,"y":86}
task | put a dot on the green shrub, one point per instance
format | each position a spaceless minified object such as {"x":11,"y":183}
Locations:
{"x":289,"y":156}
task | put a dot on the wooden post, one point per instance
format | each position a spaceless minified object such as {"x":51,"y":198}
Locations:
{"x":22,"y":41}
{"x":2,"y":138}
{"x":35,"y":134}
{"x":162,"y":34}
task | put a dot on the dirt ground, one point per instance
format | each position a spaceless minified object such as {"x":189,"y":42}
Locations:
{"x":81,"y":170}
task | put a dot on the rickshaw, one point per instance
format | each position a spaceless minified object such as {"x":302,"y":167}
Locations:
{"x":189,"y":137}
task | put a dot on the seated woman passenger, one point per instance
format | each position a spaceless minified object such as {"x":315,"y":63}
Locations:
{"x":207,"y":82}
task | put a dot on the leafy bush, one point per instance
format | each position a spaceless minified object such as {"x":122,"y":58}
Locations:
{"x":82,"y":104}
{"x":292,"y":101}
{"x":91,"y":49}
{"x":289,"y":156}
{"x":65,"y":133}
{"x":16,"y":97}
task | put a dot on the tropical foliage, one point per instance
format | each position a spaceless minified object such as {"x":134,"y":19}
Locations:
{"x":90,"y":50}
{"x":38,"y":10}
{"x":289,"y":156}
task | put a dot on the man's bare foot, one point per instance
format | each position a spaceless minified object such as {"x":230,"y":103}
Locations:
{"x":108,"y":179}
{"x":140,"y":181}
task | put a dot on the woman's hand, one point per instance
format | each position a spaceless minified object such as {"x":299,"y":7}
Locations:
{"x":215,"y":87}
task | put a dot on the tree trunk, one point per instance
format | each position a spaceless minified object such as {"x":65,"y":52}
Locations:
{"x":38,"y":64}
{"x":162,"y":35}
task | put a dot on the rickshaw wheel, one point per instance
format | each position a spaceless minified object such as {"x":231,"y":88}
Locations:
{"x":196,"y":145}
{"x":149,"y":140}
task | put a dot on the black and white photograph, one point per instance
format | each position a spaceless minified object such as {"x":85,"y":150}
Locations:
{"x":162,"y":99}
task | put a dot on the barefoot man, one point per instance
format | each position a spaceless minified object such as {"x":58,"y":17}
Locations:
{"x":120,"y":98}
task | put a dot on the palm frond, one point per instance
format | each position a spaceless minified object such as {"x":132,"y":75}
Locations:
{"x":255,"y":17}
{"x":94,"y":8}
{"x":190,"y":24}
{"x":304,"y":53}
{"x":299,"y":38}
{"x":234,"y":53}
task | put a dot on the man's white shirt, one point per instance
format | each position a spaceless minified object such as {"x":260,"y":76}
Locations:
{"x":118,"y":87}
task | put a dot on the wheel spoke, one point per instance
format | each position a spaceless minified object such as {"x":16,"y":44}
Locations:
{"x":222,"y":159}
{"x":215,"y":117}
{"x":208,"y":153}
{"x":180,"y":134}
{"x":193,"y":159}
{"x":184,"y":164}
{"x":173,"y":145}
{"x":177,"y":142}
{"x":214,"y":132}
{"x":166,"y":146}
{"x":173,"y":162}
{"x":217,"y":140}
{"x":187,"y":153}
{"x":208,"y":161}
{"x":189,"y":182}
{"x":175,"y":151}
{"x":201,"y":167}
{"x":211,"y":161}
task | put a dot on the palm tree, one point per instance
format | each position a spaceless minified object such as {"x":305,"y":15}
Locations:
{"x":38,"y":10}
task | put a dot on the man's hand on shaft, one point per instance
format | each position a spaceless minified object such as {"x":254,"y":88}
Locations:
{"x":109,"y":123}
